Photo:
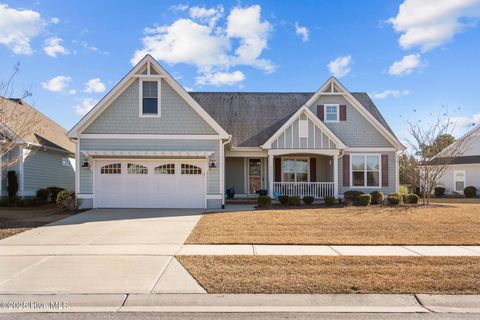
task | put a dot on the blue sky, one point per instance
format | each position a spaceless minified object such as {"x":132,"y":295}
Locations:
{"x":416,"y":58}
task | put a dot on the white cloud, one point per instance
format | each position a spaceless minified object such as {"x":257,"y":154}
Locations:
{"x":18,"y":28}
{"x":179,"y":7}
{"x":210,"y":46}
{"x":427,"y":24}
{"x":89,"y":47}
{"x":465,"y":122}
{"x":52,"y":47}
{"x":86,"y":105}
{"x":56,"y":84}
{"x":72,"y":91}
{"x":303,"y":32}
{"x":390,"y":93}
{"x":221,"y":78}
{"x":407,"y":65}
{"x":55,"y":20}
{"x":340,"y":67}
{"x":94,"y":85}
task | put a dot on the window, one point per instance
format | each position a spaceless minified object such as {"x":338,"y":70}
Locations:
{"x":165,"y":169}
{"x":191,"y":169}
{"x":331,"y":112}
{"x":136,"y":169}
{"x":150,"y":98}
{"x":365,"y":170}
{"x":65,"y":162}
{"x":303,"y":128}
{"x":295,"y":170}
{"x":459,"y":176}
{"x":114,"y":168}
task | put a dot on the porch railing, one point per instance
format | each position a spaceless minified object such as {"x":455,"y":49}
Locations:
{"x":302,"y":189}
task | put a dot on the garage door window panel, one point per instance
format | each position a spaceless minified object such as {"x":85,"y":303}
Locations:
{"x":133,"y":168}
{"x":165,"y":169}
{"x":113,"y":168}
{"x":191,"y":169}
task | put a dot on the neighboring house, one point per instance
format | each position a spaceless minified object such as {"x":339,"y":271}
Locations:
{"x":464,"y":169}
{"x":46,"y":156}
{"x":150,"y":143}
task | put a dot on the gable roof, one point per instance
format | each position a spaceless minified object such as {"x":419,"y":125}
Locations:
{"x":45,"y":133}
{"x":137,"y":71}
{"x":253,"y":117}
{"x":466,"y":138}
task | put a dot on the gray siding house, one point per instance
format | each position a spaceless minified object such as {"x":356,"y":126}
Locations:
{"x":44,"y":155}
{"x":150,"y":143}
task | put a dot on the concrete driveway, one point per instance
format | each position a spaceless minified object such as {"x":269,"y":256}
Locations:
{"x":101,"y":251}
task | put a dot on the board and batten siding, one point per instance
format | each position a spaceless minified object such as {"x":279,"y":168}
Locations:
{"x":290,"y":138}
{"x":86,"y":174}
{"x":392,"y":180}
{"x":122,"y":116}
{"x":356,"y":130}
{"x":43,"y":169}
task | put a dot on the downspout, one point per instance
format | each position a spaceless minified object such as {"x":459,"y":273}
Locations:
{"x":222,"y":173}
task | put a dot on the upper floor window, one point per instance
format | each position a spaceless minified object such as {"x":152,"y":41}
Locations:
{"x":150,"y":98}
{"x":331,"y":113}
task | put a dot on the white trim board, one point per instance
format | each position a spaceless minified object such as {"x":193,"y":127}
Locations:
{"x":149,"y":136}
{"x":128,"y":79}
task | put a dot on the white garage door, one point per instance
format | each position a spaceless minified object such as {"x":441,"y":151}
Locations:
{"x":150,"y":183}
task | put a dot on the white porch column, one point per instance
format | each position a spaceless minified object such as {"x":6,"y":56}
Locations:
{"x":335,"y":176}
{"x":270,"y":175}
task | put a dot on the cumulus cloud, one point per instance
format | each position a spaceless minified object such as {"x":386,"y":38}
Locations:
{"x":55,"y":20}
{"x":94,"y":85}
{"x":427,"y":24}
{"x":406,"y":65}
{"x":390,"y":93}
{"x":340,"y":67}
{"x":53,"y":47}
{"x":86,"y":105}
{"x":303,"y":32}
{"x":56,"y":84}
{"x":213,"y":48}
{"x":221,"y":78}
{"x":18,"y":28}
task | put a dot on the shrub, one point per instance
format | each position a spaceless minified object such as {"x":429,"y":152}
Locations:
{"x":53,"y":192}
{"x":283,"y":199}
{"x":352,"y":195}
{"x":348,"y":203}
{"x":3,"y":202}
{"x":329,"y":201}
{"x":394,"y":199}
{"x":264,"y":201}
{"x":294,"y":201}
{"x":439,"y":192}
{"x":42,"y":195}
{"x":308,"y":199}
{"x":31,"y":202}
{"x":364,"y":200}
{"x":404,"y":197}
{"x":470,"y":192}
{"x":377,"y":197}
{"x":12,"y":186}
{"x":412,"y":198}
{"x":66,"y":200}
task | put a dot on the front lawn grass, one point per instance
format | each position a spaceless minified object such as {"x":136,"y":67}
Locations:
{"x":335,"y":275}
{"x":14,"y":220}
{"x":438,"y":224}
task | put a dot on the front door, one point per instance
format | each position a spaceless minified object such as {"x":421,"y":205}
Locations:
{"x":254,"y":175}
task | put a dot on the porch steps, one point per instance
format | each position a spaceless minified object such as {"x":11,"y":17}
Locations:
{"x":241,"y":201}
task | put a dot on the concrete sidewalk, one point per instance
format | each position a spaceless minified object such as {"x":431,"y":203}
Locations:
{"x":314,"y":250}
{"x":331,"y":303}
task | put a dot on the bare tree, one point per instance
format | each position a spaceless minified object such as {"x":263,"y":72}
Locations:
{"x":432,"y":162}
{"x":16,"y":122}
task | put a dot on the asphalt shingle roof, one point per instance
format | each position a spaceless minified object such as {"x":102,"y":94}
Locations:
{"x":253,"y":117}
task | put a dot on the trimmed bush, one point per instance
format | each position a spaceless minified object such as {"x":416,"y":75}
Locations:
{"x":308,"y":199}
{"x":377,"y":197}
{"x":66,"y":200}
{"x":439,"y":192}
{"x":42,"y":195}
{"x":294,"y":201}
{"x":329,"y":201}
{"x":264,"y":201}
{"x":412,"y":198}
{"x":394,"y":199}
{"x":54,"y":191}
{"x":364,"y":200}
{"x":352,"y":195}
{"x":12,"y":184}
{"x":283,"y":199}
{"x":404,"y":197}
{"x":470,"y":192}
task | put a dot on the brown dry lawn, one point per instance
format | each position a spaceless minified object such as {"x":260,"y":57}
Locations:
{"x":335,"y":275}
{"x":14,"y":220}
{"x":438,"y":224}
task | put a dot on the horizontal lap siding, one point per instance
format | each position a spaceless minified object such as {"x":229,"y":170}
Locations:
{"x":472,"y":177}
{"x":235,"y":174}
{"x":44,"y":169}
{"x":213,"y":177}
